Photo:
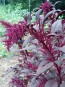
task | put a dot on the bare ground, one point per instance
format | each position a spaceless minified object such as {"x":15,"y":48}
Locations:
{"x":5,"y":64}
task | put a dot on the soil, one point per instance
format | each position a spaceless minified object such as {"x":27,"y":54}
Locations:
{"x":5,"y":65}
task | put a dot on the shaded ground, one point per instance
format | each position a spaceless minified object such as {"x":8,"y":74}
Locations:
{"x":5,"y":64}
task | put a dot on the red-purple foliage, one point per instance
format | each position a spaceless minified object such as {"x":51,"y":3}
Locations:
{"x":43,"y":51}
{"x":17,"y":82}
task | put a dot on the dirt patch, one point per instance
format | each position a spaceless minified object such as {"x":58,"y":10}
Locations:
{"x":5,"y":65}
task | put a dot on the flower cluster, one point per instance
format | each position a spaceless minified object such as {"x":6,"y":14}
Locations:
{"x":14,"y":32}
{"x":46,"y":7}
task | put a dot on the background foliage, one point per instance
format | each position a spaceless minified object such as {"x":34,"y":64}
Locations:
{"x":34,"y":3}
